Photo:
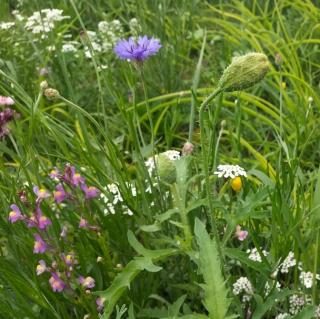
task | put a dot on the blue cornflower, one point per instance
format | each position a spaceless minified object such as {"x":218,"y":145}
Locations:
{"x":137,"y":50}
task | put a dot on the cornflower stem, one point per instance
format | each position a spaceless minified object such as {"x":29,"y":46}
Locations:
{"x":179,"y":203}
{"x":211,"y":218}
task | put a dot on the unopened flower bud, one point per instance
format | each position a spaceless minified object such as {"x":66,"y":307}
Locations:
{"x":223,"y":124}
{"x":278,"y":59}
{"x":244,"y":72}
{"x":99,"y":259}
{"x":187,"y":148}
{"x":166,"y":169}
{"x":44,"y":85}
{"x":51,"y":94}
{"x":310,"y":99}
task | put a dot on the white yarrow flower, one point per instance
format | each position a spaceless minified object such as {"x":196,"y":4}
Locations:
{"x":255,"y":255}
{"x":288,"y":263}
{"x":231,"y":171}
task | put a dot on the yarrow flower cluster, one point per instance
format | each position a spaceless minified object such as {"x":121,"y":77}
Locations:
{"x":230,"y":171}
{"x":255,"y":255}
{"x":282,"y":316}
{"x":288,"y":263}
{"x":306,"y":278}
{"x":44,"y":21}
{"x":243,"y":285}
{"x":62,"y":269}
{"x":137,"y":49}
{"x":114,"y":201}
{"x":296,"y":303}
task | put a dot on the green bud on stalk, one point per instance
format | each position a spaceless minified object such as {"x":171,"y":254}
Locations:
{"x":51,"y":94}
{"x":166,"y":169}
{"x":244,"y":72}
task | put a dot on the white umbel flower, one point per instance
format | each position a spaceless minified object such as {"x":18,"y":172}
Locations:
{"x":296,"y":303}
{"x":283,"y":316}
{"x":289,"y":262}
{"x":231,"y":171}
{"x":6,"y":25}
{"x":255,"y":256}
{"x":243,"y":285}
{"x":306,"y":278}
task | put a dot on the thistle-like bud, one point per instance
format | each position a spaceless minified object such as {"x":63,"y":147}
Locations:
{"x":51,"y":94}
{"x":244,"y":72}
{"x":278,"y":59}
{"x":187,"y":149}
{"x":166,"y":169}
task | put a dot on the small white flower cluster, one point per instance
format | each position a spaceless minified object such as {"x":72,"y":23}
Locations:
{"x":288,"y":263}
{"x":103,"y":41}
{"x":283,"y":316}
{"x":135,"y":27}
{"x":317,"y":312}
{"x":6,"y":25}
{"x":255,"y":256}
{"x":267,"y":287}
{"x":69,"y":47}
{"x":44,"y":21}
{"x":231,"y":171}
{"x":116,"y":199}
{"x":172,"y":155}
{"x":296,"y":303}
{"x":243,"y":285}
{"x":306,"y":278}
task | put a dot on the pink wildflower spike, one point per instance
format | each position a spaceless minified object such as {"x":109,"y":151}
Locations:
{"x":6,"y":100}
{"x":87,"y":283}
{"x":241,"y":234}
{"x":43,"y":221}
{"x":60,"y":194}
{"x":41,"y":193}
{"x":41,"y":267}
{"x":83,"y":223}
{"x":40,"y":245}
{"x":90,"y":192}
{"x":15,"y":214}
{"x":100,"y":303}
{"x":56,"y":283}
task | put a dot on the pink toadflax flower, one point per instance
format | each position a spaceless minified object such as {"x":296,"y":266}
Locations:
{"x":87,"y":282}
{"x":241,"y":234}
{"x":56,"y":283}
{"x":54,"y":174}
{"x":90,"y":192}
{"x":15,"y":214}
{"x":41,"y":193}
{"x":83,"y":223}
{"x":100,"y":303}
{"x":6,"y":100}
{"x":59,"y":194}
{"x":40,"y":245}
{"x":71,"y":177}
{"x":41,"y":267}
{"x":43,"y":221}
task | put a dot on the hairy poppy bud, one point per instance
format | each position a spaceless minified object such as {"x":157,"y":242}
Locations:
{"x":244,"y":72}
{"x":187,"y":148}
{"x":166,"y":169}
{"x":51,"y":94}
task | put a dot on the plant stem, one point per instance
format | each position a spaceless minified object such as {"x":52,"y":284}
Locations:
{"x":211,"y":218}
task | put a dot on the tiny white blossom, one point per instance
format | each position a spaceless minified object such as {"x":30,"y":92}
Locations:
{"x":243,"y":285}
{"x":231,"y":171}
{"x":283,"y":316}
{"x":317,"y":312}
{"x":288,"y":263}
{"x":296,"y":302}
{"x":68,"y":47}
{"x":306,"y":278}
{"x":6,"y":25}
{"x":255,"y":256}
